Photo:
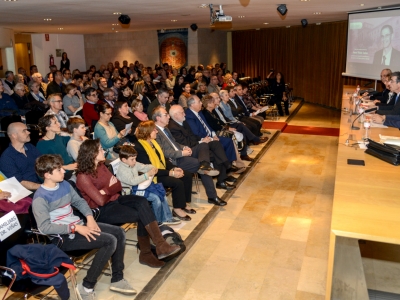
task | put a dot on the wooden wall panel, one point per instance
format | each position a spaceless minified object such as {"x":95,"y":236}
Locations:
{"x":312,"y":59}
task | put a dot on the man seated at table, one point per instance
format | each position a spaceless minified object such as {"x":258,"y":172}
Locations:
{"x":395,"y":88}
{"x":18,"y":160}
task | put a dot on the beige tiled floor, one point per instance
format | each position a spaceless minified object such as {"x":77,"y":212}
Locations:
{"x":271,"y":240}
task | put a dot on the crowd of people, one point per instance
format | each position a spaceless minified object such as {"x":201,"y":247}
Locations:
{"x":164,"y":125}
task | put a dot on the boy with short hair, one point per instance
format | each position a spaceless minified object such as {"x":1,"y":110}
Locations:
{"x":52,"y":208}
{"x":76,"y":127}
{"x":128,"y":174}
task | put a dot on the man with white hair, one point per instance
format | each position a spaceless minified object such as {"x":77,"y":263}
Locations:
{"x":56,"y":105}
{"x":18,"y":160}
{"x":37,"y":77}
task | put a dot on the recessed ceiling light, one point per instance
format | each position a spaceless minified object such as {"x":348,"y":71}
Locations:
{"x":10,"y":0}
{"x":116,"y":31}
{"x":115,"y":24}
{"x":317,"y":13}
{"x":288,"y":26}
{"x":266,"y":23}
{"x":203,"y":5}
{"x":305,"y":0}
{"x":174,"y":20}
{"x":240,"y":17}
{"x":318,"y":23}
{"x":47,"y":20}
{"x":117,"y":13}
{"x":362,"y":4}
{"x":60,"y":28}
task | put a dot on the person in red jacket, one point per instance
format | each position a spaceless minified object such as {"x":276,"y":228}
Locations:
{"x":90,"y":114}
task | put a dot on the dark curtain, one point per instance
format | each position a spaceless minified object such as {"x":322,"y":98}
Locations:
{"x":312,"y":59}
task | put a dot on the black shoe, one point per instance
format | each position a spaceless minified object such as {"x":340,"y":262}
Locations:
{"x":185,"y":218}
{"x":246,"y":157}
{"x":217,"y":201}
{"x":231,"y":179}
{"x":233,"y":169}
{"x":205,"y":166}
{"x":225,"y":186}
{"x":189,"y":211}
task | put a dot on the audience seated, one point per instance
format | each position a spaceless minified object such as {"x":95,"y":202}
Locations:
{"x":180,"y":181}
{"x":139,"y":90}
{"x":128,"y":174}
{"x":7,"y":103}
{"x":161,"y":100}
{"x":55,"y":216}
{"x":213,"y":86}
{"x":76,"y":127}
{"x":150,"y":87}
{"x":196,"y":160}
{"x":123,"y":117}
{"x":72,"y":100}
{"x":108,"y":97}
{"x":185,"y":94}
{"x":36,"y":99}
{"x":106,"y":131}
{"x":101,"y":190}
{"x":56,"y":104}
{"x":18,"y":160}
{"x":20,"y":98}
{"x":137,"y":110}
{"x":56,"y":86}
{"x":90,"y":114}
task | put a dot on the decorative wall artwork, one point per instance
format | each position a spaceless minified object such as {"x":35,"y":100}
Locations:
{"x":173,"y":46}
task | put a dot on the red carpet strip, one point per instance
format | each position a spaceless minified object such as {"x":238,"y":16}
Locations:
{"x":274,"y":125}
{"x":311,"y":130}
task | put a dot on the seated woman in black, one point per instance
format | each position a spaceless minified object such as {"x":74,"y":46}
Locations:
{"x":122,"y":117}
{"x":149,"y":152}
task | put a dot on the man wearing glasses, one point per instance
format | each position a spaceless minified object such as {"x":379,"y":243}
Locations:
{"x":387,"y":56}
{"x":90,"y":114}
{"x":56,"y":105}
{"x":67,"y":76}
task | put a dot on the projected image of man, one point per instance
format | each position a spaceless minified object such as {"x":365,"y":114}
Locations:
{"x":387,"y":55}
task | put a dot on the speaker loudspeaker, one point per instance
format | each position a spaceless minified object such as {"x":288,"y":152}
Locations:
{"x":304,"y":22}
{"x":124,"y":19}
{"x":282,"y":9}
{"x":193,"y":27}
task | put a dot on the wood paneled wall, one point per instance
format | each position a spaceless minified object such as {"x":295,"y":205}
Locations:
{"x":312,"y":59}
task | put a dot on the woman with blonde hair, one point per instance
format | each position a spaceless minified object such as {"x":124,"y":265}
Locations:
{"x":140,"y":90}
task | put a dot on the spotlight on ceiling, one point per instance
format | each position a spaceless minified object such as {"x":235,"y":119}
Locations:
{"x":193,"y":27}
{"x":304,"y":23}
{"x":124,"y":19}
{"x":282,"y":9}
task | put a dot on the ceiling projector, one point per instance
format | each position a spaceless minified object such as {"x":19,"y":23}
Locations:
{"x":218,"y":15}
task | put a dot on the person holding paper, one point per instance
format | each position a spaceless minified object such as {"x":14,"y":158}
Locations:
{"x":18,"y":160}
{"x":122,"y":117}
{"x":251,"y":103}
{"x":106,"y":131}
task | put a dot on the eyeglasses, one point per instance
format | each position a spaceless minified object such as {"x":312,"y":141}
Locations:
{"x":93,"y":95}
{"x":109,"y":114}
{"x":67,"y":73}
{"x":58,"y":101}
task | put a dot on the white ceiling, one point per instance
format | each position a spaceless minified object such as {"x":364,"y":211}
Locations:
{"x":96,"y":16}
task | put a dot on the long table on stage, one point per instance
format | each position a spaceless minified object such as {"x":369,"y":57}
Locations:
{"x":366,"y":205}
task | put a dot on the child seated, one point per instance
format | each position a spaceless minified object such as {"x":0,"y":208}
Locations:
{"x":52,"y":208}
{"x":142,"y":185}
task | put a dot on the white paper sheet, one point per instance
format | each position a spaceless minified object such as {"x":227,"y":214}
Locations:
{"x":128,"y":128}
{"x":16,"y":189}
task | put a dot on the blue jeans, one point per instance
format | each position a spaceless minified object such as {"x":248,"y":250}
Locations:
{"x":160,"y":208}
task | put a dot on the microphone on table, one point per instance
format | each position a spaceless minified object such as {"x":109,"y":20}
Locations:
{"x":364,"y":111}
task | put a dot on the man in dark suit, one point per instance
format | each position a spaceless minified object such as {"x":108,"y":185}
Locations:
{"x":10,"y":80}
{"x":191,"y":160}
{"x":183,"y":134}
{"x":201,"y":129}
{"x":395,"y":88}
{"x":387,"y":56}
{"x":161,"y":100}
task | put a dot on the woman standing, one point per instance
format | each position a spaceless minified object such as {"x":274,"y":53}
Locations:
{"x":64,"y":62}
{"x":106,"y":131}
{"x":277,"y":87}
{"x":102,"y":190}
{"x":150,"y":152}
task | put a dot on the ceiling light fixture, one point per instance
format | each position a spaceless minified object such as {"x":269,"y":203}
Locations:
{"x":240,"y":17}
{"x":362,"y":4}
{"x":60,"y":28}
{"x":288,"y":26}
{"x":266,"y":23}
{"x":174,"y":20}
{"x":317,"y":23}
{"x":115,"y":24}
{"x":317,"y":13}
{"x":305,"y":0}
{"x":203,"y":6}
{"x":47,"y":20}
{"x":117,"y":13}
{"x":10,"y":0}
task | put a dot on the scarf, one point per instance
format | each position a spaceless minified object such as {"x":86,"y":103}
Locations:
{"x":158,"y":162}
{"x":187,"y":95}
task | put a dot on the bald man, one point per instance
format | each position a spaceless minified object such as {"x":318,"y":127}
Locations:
{"x":18,"y":160}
